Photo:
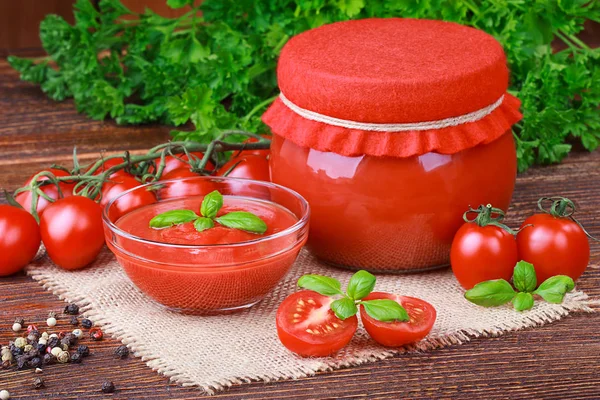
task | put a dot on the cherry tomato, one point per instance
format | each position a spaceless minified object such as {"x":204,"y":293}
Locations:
{"x":130,"y":202}
{"x":111,"y":162}
{"x":307,"y":326}
{"x":181,"y":161}
{"x":554,"y":245}
{"x":24,"y":198}
{"x":72,"y":231}
{"x":19,"y":239}
{"x":393,"y":334}
{"x":247,"y":166}
{"x":482,"y":253}
{"x":185,"y":187}
{"x":262,"y":153}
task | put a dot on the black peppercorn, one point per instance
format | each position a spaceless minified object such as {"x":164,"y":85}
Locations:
{"x":72,"y":309}
{"x":86,"y":323}
{"x":69,"y":339}
{"x":122,"y":351}
{"x":32,"y":353}
{"x":83,"y":350}
{"x":53,"y":342}
{"x":38,"y":383}
{"x":20,"y":321}
{"x":76,"y":358}
{"x":35,"y":362}
{"x":33,"y":336}
{"x":48,"y":359}
{"x":74,"y":321}
{"x":22,"y":362}
{"x":108,"y":387}
{"x":16,"y":351}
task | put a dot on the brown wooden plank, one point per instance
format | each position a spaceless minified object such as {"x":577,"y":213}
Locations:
{"x":557,"y":361}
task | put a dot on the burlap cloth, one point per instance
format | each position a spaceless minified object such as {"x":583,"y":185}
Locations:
{"x":214,"y":352}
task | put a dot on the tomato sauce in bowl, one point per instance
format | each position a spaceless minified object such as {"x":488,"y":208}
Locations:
{"x":217,"y":270}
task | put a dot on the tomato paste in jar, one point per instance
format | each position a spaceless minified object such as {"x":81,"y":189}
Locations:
{"x":391,"y":129}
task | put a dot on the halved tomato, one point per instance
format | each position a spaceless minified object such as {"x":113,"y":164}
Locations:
{"x":393,"y":334}
{"x":307,"y":326}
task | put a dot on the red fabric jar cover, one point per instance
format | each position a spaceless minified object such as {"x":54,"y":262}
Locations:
{"x":392,"y":71}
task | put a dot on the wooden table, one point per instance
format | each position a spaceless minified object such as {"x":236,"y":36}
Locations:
{"x":557,"y":361}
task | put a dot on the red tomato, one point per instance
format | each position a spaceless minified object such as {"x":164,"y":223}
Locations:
{"x":111,"y":162}
{"x":72,"y":231}
{"x":19,"y":239}
{"x":247,"y":166}
{"x":24,"y":198}
{"x":130,"y":202}
{"x":307,"y":326}
{"x":262,"y":153}
{"x":185,"y":188}
{"x":482,"y":253}
{"x":554,"y":245}
{"x":180,"y":161}
{"x":393,"y":334}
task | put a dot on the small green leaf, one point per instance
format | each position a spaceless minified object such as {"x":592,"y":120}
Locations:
{"x":491,"y":293}
{"x":344,"y":308}
{"x":211,"y":204}
{"x":360,"y":285}
{"x":385,"y":310}
{"x":173,"y":217}
{"x":321,"y":284}
{"x":524,"y":277}
{"x":179,"y":3}
{"x":244,"y":221}
{"x":523,"y":301}
{"x":203,"y":223}
{"x":553,"y":289}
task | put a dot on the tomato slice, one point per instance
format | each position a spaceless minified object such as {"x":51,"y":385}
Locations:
{"x":307,"y":326}
{"x":393,"y":334}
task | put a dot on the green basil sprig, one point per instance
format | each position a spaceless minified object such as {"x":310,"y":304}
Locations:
{"x":361,"y":284}
{"x":498,"y":291}
{"x":211,"y":204}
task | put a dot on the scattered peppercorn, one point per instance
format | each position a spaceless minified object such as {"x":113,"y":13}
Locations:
{"x":35,"y":362}
{"x":56,"y":351}
{"x":41,"y":347}
{"x":7,"y":356}
{"x":31,"y":328}
{"x":38,"y":383}
{"x":18,"y":325}
{"x":16,"y":351}
{"x":63,"y":357}
{"x":20,"y":342}
{"x":72,"y":309}
{"x":27,"y":348}
{"x":96,"y":334}
{"x":48,"y":359}
{"x":53,"y":342}
{"x":83,"y":350}
{"x":33,"y":336}
{"x":22,"y":362}
{"x":122,"y":351}
{"x":108,"y":387}
{"x":74,"y":321}
{"x":65,"y":347}
{"x":4,"y":395}
{"x":38,"y":371}
{"x":6,"y":364}
{"x":86,"y":323}
{"x":78,"y":333}
{"x":61,"y":334}
{"x":76,"y":358}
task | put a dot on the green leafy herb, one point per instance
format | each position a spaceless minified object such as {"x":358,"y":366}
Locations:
{"x":497,"y":292}
{"x":523,"y":301}
{"x":361,"y":284}
{"x":385,"y":310}
{"x":211,"y":204}
{"x":244,"y":221}
{"x":344,"y":308}
{"x":140,"y":68}
{"x":173,"y":217}
{"x":491,"y":293}
{"x":203,"y":223}
{"x":524,"y":277}
{"x":553,"y":289}
{"x":321,"y":284}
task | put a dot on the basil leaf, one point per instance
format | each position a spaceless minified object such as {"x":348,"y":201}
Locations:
{"x":385,"y":310}
{"x":360,"y":285}
{"x":524,"y":277}
{"x":321,"y":284}
{"x":244,"y":221}
{"x":491,"y":293}
{"x":553,"y":289}
{"x":203,"y":223}
{"x":173,"y":217}
{"x":211,"y":204}
{"x":523,"y":301}
{"x":344,"y":308}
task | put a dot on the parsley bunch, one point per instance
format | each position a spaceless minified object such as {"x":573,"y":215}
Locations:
{"x":217,"y":71}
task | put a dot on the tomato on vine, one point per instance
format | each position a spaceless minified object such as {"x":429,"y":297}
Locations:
{"x":72,"y":231}
{"x":483,"y":248}
{"x":189,"y":187}
{"x":19,"y":239}
{"x":173,"y":162}
{"x":260,"y":152}
{"x":109,"y":163}
{"x":554,"y":241}
{"x":247,"y":166}
{"x":136,"y":199}
{"x":51,"y":190}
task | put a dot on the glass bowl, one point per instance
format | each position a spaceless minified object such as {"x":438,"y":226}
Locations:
{"x":210,"y":278}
